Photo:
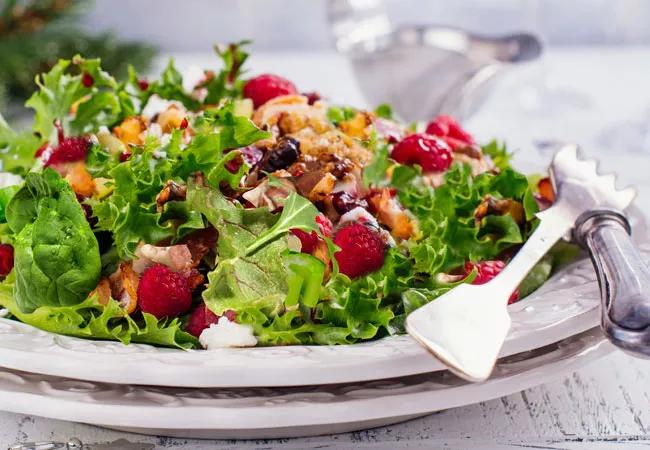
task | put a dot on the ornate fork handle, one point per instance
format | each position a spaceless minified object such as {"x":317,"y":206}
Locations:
{"x":623,"y":276}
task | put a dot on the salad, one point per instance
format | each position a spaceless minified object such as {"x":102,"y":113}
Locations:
{"x":243,"y":212}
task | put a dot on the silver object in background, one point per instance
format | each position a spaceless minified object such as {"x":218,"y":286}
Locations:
{"x":422,"y":71}
{"x":76,"y":444}
{"x":465,"y":328}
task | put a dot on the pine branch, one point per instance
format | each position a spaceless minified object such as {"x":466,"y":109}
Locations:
{"x":31,"y":16}
{"x":34,"y":34}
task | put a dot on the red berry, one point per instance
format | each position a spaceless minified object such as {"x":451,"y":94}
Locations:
{"x":309,"y":241}
{"x":486,"y":270}
{"x":70,"y":149}
{"x":164,"y":293}
{"x":143,"y":84}
{"x":6,"y":259}
{"x":264,"y":87}
{"x":184,"y":123}
{"x":87,"y":80}
{"x":200,"y":319}
{"x":362,"y":250}
{"x":430,"y":152}
{"x":450,"y":131}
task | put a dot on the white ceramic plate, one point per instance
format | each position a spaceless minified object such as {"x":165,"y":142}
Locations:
{"x":285,"y":412}
{"x":566,"y":305}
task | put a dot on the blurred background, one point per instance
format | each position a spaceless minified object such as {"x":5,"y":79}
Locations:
{"x":300,"y":24}
{"x":589,"y":86}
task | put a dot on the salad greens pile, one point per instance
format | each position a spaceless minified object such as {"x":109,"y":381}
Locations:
{"x":65,"y":243}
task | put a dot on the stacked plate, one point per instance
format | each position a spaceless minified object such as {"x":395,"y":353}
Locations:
{"x":290,"y":391}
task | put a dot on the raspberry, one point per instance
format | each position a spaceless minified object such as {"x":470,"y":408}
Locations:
{"x":6,"y":259}
{"x":450,"y":131}
{"x":430,"y":152}
{"x":200,"y":319}
{"x":362,"y":250}
{"x":70,"y":149}
{"x":163,"y":293}
{"x":264,"y":87}
{"x":309,"y":242}
{"x":486,"y":270}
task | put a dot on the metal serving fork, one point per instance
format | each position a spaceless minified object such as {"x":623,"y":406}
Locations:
{"x":465,"y":328}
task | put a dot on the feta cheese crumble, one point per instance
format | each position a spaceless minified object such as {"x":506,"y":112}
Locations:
{"x":225,"y":333}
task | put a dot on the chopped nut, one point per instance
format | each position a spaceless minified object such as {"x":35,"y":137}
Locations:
{"x":491,"y":206}
{"x":124,"y":287}
{"x":103,"y":291}
{"x":390,"y":213}
{"x":172,"y":191}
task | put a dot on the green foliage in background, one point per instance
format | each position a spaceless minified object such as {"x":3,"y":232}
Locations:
{"x":34,"y":34}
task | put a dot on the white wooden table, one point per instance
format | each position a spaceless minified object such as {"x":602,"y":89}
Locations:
{"x":597,"y":97}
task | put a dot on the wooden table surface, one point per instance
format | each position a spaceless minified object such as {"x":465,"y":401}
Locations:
{"x":603,"y":406}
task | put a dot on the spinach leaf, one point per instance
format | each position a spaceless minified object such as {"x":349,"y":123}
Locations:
{"x":57,"y":259}
{"x":297,"y":212}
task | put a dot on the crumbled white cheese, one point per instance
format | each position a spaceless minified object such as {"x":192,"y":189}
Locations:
{"x":154,"y":130}
{"x":360,"y":215}
{"x":9,"y":179}
{"x":157,"y":105}
{"x":225,"y":333}
{"x":4,"y":312}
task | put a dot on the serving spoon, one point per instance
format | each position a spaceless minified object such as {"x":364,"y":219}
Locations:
{"x":466,"y":327}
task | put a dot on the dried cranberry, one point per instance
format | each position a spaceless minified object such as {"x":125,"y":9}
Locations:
{"x":265,"y":87}
{"x":87,"y":80}
{"x":312,"y":97}
{"x":163,"y":293}
{"x":249,"y":155}
{"x":285,"y":153}
{"x":362,"y":250}
{"x":6,"y":259}
{"x":430,"y":152}
{"x":143,"y":84}
{"x":184,"y":123}
{"x":344,"y":202}
{"x":125,"y":155}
